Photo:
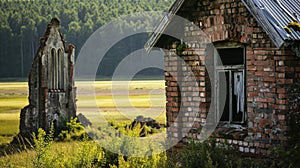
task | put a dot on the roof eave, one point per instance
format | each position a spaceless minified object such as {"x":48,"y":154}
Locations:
{"x":163,"y":25}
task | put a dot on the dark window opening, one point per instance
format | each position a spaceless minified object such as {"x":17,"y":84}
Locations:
{"x":231,"y":56}
{"x":234,"y":110}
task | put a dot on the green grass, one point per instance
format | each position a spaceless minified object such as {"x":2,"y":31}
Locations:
{"x":130,"y":100}
{"x":13,"y":97}
{"x":24,"y":159}
{"x":19,"y":159}
{"x":9,"y":126}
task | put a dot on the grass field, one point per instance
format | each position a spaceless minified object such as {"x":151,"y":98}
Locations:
{"x":24,"y":159}
{"x":129,"y":100}
{"x":13,"y":97}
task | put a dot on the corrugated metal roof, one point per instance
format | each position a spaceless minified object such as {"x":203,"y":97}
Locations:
{"x":276,"y":15}
{"x":285,"y":12}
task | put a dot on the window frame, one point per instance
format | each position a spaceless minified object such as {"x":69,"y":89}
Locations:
{"x":230,"y":69}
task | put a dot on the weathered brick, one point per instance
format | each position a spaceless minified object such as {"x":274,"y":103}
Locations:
{"x":281,"y":90}
{"x":269,"y":79}
{"x":251,"y":68}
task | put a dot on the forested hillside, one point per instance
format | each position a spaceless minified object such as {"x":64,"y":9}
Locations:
{"x":23,"y":22}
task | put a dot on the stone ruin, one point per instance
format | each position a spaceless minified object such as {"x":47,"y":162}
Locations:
{"x":52,"y":94}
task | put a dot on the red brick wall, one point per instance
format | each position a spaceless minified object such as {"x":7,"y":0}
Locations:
{"x":185,"y":98}
{"x":269,"y":71}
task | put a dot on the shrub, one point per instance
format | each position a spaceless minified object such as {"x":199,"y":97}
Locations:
{"x":83,"y":154}
{"x":74,"y":131}
{"x":129,"y":147}
{"x":156,"y":160}
{"x":42,"y":146}
{"x":207,"y":154}
{"x":88,"y":153}
{"x":137,"y":130}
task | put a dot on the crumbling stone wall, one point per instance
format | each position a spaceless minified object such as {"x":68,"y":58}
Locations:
{"x":269,"y":72}
{"x":51,"y":84}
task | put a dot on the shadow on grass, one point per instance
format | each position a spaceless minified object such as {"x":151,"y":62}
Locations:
{"x":17,"y":145}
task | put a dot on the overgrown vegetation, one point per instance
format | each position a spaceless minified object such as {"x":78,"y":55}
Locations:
{"x":84,"y":152}
{"x":80,"y":151}
{"x":137,"y":130}
{"x":209,"y":154}
{"x":74,"y":131}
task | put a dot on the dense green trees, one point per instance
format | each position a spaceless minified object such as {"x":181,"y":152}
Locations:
{"x":23,"y":22}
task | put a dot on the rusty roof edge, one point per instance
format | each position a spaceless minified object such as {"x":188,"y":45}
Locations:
{"x":163,"y":25}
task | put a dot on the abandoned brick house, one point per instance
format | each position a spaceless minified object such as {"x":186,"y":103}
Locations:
{"x":51,"y":84}
{"x":258,"y":44}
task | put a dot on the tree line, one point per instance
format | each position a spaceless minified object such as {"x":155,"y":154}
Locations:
{"x":23,"y":22}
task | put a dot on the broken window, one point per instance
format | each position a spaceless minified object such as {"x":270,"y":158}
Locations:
{"x":231,"y":65}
